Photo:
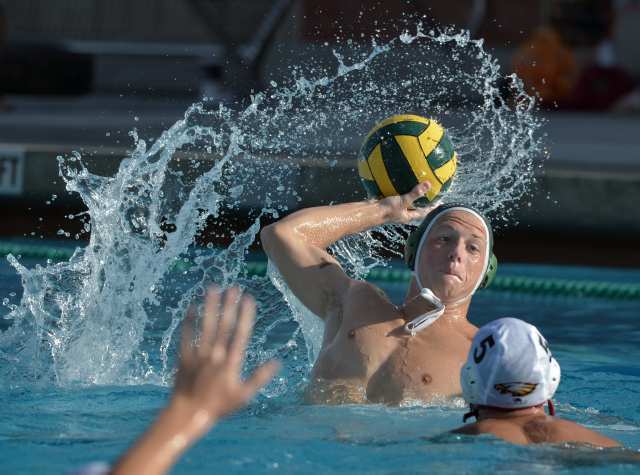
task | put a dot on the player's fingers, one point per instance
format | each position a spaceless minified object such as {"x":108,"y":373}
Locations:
{"x":238,"y":343}
{"x":226,"y":321}
{"x":186,"y":339}
{"x":418,"y":191}
{"x":211,"y":314}
{"x":260,"y":377}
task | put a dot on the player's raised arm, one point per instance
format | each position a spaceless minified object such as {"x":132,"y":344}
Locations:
{"x":298,"y":244}
{"x":208,"y":384}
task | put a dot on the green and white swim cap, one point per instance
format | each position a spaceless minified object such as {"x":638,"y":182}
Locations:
{"x":415,"y":242}
{"x":415,"y":245}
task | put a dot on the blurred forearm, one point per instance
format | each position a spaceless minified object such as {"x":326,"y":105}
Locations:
{"x":173,"y":432}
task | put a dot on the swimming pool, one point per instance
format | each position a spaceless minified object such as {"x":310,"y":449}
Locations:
{"x":597,"y":342}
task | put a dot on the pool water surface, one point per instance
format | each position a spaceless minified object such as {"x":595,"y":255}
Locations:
{"x":597,"y":343}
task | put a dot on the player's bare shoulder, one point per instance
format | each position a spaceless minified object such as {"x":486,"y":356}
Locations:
{"x":503,"y":429}
{"x":562,"y":430}
{"x":367,"y":303}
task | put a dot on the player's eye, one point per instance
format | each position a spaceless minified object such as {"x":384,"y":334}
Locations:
{"x":474,"y":249}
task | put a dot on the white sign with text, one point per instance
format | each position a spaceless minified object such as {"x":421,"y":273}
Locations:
{"x":11,"y":171}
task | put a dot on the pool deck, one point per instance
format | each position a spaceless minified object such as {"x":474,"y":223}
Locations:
{"x":589,"y":184}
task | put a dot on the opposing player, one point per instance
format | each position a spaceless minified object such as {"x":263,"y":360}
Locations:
{"x":509,"y":376}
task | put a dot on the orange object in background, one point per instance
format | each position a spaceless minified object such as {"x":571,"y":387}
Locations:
{"x":547,"y":66}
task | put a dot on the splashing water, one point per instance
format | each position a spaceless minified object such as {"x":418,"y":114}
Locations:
{"x":109,"y":314}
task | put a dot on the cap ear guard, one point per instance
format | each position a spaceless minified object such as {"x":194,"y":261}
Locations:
{"x":490,"y":273}
{"x":411,"y":245}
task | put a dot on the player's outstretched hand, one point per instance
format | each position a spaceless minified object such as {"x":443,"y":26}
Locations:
{"x":208,"y":379}
{"x":208,"y":383}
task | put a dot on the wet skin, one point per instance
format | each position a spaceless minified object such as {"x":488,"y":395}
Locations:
{"x":532,"y":426}
{"x":367,"y":356}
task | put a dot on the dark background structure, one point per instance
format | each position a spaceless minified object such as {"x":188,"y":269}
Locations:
{"x":80,"y":74}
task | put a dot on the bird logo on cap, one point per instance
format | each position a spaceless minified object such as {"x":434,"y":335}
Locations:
{"x":516,"y":389}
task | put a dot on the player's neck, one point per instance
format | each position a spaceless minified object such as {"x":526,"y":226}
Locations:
{"x":414,"y":305}
{"x":457,"y":312}
{"x":499,"y":413}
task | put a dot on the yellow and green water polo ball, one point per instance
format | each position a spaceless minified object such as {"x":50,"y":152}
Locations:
{"x":405,"y":150}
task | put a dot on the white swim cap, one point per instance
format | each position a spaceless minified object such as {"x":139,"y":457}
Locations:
{"x":509,"y":366}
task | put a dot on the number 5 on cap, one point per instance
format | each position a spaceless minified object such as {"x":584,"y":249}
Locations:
{"x":484,"y":345}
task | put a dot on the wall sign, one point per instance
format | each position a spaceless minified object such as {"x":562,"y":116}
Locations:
{"x":11,"y":171}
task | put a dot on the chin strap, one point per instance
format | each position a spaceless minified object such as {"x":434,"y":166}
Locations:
{"x":424,"y":320}
{"x":552,"y":408}
{"x":473,"y":412}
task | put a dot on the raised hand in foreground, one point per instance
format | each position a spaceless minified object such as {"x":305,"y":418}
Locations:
{"x":208,"y":384}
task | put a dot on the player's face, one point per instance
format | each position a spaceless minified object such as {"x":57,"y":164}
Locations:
{"x":452,"y":261}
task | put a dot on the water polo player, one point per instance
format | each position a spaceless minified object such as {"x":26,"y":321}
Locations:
{"x":509,"y":376}
{"x":373,"y":350}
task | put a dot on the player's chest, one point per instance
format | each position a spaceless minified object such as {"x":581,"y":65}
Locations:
{"x":404,"y":357}
{"x":415,"y":371}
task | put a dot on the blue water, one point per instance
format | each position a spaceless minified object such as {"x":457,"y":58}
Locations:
{"x":597,"y":342}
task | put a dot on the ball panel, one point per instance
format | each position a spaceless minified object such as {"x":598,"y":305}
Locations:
{"x":379,"y":171}
{"x":413,"y":154}
{"x":447,"y":145}
{"x":434,"y":191}
{"x":364,"y":171}
{"x":395,"y":119}
{"x":447,"y":170}
{"x":403,"y":128}
{"x":446,"y":185}
{"x":371,"y":188}
{"x":388,"y":131}
{"x":369,"y":145}
{"x":441,"y":154}
{"x":398,"y":168}
{"x":430,"y":138}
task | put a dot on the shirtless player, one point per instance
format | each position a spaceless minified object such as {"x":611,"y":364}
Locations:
{"x":508,"y":377}
{"x":369,"y":350}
